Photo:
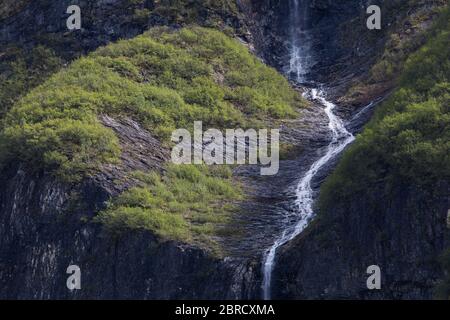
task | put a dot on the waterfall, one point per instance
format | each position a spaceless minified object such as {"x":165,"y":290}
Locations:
{"x":300,"y":60}
{"x":299,"y":47}
{"x":341,"y":138}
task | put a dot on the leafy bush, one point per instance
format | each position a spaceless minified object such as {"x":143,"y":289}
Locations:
{"x":19,"y":72}
{"x":164,"y":79}
{"x":70,"y":147}
{"x":399,"y":47}
{"x":408,"y":141}
{"x":187,"y":203}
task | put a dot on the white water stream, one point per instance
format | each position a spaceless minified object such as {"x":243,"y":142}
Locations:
{"x":300,"y":60}
{"x":341,"y":138}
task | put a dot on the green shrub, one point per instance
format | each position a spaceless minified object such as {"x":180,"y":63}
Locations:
{"x":398,"y":46}
{"x":22,"y":71}
{"x":164,"y":79}
{"x":186,"y":204}
{"x":408,"y":141}
{"x":72,"y":148}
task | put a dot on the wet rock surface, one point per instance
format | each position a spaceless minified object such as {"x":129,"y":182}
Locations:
{"x":341,"y":43}
{"x":44,"y":224}
{"x":43,"y":22}
{"x":271,"y":197}
{"x":403,"y":236}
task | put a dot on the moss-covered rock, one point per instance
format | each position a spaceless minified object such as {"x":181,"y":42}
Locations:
{"x":408,"y":139}
{"x":23,"y":29}
{"x":164,"y":79}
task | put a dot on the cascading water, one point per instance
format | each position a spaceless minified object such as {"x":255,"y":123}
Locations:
{"x":304,"y":192}
{"x":299,"y":48}
{"x":340,"y":139}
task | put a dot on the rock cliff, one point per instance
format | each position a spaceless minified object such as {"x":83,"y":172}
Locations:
{"x":45,"y":224}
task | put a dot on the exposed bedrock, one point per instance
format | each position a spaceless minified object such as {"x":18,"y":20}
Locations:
{"x":403,"y":233}
{"x":45,"y":226}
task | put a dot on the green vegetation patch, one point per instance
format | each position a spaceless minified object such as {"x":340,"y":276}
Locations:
{"x":399,"y":46}
{"x":189,"y":203}
{"x":408,"y":25}
{"x":408,"y":141}
{"x":20,"y":71}
{"x":164,"y":79}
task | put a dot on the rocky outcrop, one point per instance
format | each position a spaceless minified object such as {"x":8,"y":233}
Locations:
{"x":403,"y":232}
{"x":45,"y":226}
{"x":343,"y":49}
{"x":398,"y":226}
{"x":43,"y":22}
{"x":341,"y":43}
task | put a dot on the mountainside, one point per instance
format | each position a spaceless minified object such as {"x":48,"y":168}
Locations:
{"x":35,"y":41}
{"x":387,"y":202}
{"x":89,"y":129}
{"x":86,"y":121}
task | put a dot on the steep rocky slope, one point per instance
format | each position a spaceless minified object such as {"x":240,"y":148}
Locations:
{"x":45,"y":224}
{"x":39,"y":241}
{"x":358,"y":64}
{"x":35,"y":42}
{"x":387,"y":203}
{"x":403,"y":233}
{"x":79,"y":147}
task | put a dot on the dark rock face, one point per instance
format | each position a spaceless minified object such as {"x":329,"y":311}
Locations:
{"x":39,"y":241}
{"x":43,"y":22}
{"x":403,"y":233}
{"x":45,"y":226}
{"x":341,"y":43}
